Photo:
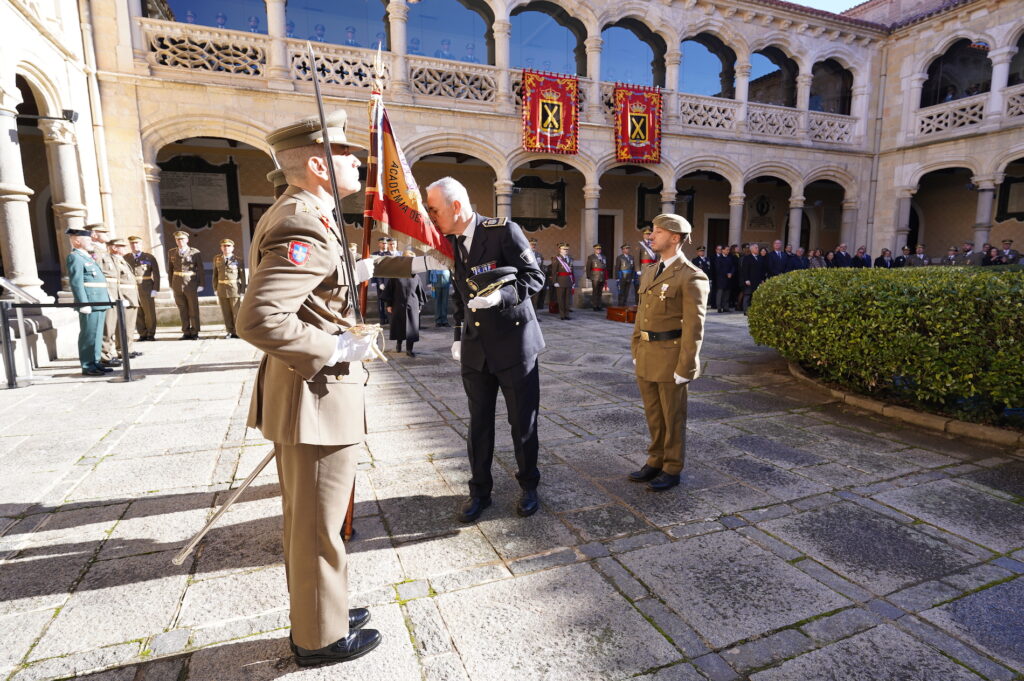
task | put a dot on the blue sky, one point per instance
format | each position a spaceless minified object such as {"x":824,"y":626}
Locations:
{"x":828,"y":5}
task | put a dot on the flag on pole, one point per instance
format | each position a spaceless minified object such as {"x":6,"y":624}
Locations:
{"x":396,"y":201}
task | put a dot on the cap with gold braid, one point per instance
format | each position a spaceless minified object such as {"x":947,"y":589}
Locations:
{"x":134,"y":238}
{"x":227,"y":242}
{"x":180,"y":235}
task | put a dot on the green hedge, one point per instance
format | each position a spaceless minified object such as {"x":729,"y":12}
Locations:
{"x":944,"y":339}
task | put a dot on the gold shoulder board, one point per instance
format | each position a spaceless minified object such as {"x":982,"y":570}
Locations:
{"x":495,"y":222}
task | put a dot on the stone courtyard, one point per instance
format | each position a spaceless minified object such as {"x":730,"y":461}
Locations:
{"x":807,"y":541}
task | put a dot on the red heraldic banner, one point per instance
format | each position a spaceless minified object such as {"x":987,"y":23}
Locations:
{"x":637,"y":124}
{"x":550,"y":112}
{"x":397,"y":203}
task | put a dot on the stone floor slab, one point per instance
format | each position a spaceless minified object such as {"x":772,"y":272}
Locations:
{"x":991,"y":619}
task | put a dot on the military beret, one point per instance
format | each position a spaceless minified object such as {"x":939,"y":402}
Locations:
{"x":180,"y":235}
{"x":98,"y":227}
{"x":276,"y":177}
{"x":71,"y":231}
{"x":491,"y":280}
{"x":227,"y":242}
{"x":135,"y":238}
{"x":117,"y":242}
{"x":673,"y":223}
{"x":308,"y":131}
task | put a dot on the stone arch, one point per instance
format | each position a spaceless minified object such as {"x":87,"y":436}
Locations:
{"x":1005,"y":159}
{"x":723,"y":166}
{"x":783,"y":42}
{"x":1013,"y":36}
{"x":662,"y":170}
{"x":159,"y":134}
{"x":43,"y":88}
{"x":720,"y":29}
{"x":923,"y":60}
{"x":576,"y":10}
{"x":837,"y":174}
{"x":584,"y":163}
{"x":464,"y":144}
{"x":640,"y":12}
{"x":924,"y":168}
{"x":853,"y":63}
{"x":783,"y":171}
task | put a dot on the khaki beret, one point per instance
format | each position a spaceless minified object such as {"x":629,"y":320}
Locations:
{"x":135,"y":238}
{"x":180,"y":235}
{"x":673,"y":223}
{"x":276,"y":177}
{"x":308,"y":131}
{"x":117,"y":242}
{"x":227,"y":242}
{"x":98,"y":227}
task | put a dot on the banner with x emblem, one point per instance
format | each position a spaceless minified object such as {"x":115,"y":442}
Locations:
{"x":550,"y":112}
{"x":637,"y":123}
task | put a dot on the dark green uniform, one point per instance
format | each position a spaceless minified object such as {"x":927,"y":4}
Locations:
{"x":88,"y":285}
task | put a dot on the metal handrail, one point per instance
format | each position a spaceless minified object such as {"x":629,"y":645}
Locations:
{"x":23,"y":295}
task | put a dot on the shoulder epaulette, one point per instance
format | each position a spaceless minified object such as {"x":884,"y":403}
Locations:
{"x":494,"y":222}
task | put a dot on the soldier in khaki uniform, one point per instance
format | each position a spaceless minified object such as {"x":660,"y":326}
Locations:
{"x":146,"y":269}
{"x":128,"y":291}
{"x":308,"y":397}
{"x":666,"y":344}
{"x":185,"y":268}
{"x":105,"y":260}
{"x":597,"y":273}
{"x":229,"y":282}
{"x":919,"y":259}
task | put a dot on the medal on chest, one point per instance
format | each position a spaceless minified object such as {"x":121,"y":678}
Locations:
{"x":664,"y":288}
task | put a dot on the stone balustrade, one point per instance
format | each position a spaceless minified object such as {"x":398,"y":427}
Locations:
{"x":960,"y":113}
{"x":1015,"y":102}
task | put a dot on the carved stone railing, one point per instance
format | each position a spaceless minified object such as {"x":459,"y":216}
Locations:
{"x":337,"y":65}
{"x":830,"y":128}
{"x":608,"y":101}
{"x":715,"y":113}
{"x":201,"y":48}
{"x":777,"y":121}
{"x":452,"y":79}
{"x":960,"y":113}
{"x":1015,"y":101}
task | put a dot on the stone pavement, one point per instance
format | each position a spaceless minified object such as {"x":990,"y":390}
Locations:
{"x":808,"y":541}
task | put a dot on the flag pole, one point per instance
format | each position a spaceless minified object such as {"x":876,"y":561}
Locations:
{"x":371,"y":172}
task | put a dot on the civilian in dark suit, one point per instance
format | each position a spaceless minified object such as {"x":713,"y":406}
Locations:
{"x":862,"y":259}
{"x":497,"y":340}
{"x":885,"y":260}
{"x":843,"y":258}
{"x":799,"y":260}
{"x":752,"y":273}
{"x":404,"y":299}
{"x":724,"y":267}
{"x":778,"y":261}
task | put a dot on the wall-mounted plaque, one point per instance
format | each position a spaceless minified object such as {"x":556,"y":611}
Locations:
{"x":537,"y":204}
{"x":1011,"y":199}
{"x":195,"y":193}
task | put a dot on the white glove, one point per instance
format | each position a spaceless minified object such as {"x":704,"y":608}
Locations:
{"x":199,"y":290}
{"x":679,"y":379}
{"x":152,"y":294}
{"x":555,"y":285}
{"x":85,"y":310}
{"x":492,"y":299}
{"x":457,"y":350}
{"x":363,"y":270}
{"x":352,"y":348}
{"x":634,"y":361}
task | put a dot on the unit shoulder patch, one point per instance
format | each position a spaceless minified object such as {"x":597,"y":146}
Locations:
{"x":298,"y":252}
{"x":494,"y":222}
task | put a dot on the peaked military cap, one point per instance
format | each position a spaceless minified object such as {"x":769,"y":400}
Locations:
{"x":181,"y":234}
{"x":491,"y":280}
{"x":227,"y":242}
{"x":1007,"y":241}
{"x":135,"y":238}
{"x":623,"y":246}
{"x":117,"y":242}
{"x":308,"y":131}
{"x":71,"y":231}
{"x":701,"y":248}
{"x":98,"y":227}
{"x":598,"y":246}
{"x":673,"y":223}
{"x":563,"y":245}
{"x":648,"y":230}
{"x":276,"y":177}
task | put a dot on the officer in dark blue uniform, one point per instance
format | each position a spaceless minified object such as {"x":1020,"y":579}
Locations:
{"x":497,"y":339}
{"x":88,"y":284}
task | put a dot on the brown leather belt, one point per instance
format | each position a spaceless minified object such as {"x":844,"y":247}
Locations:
{"x":661,"y":335}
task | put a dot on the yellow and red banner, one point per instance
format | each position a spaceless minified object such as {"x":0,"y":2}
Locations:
{"x":637,"y":123}
{"x":550,"y":112}
{"x":396,"y":201}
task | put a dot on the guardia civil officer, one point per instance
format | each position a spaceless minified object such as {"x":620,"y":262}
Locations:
{"x":88,"y":285}
{"x":308,"y":398}
{"x":185,"y":267}
{"x":666,"y":345}
{"x":229,"y":282}
{"x":146,"y":269}
{"x":497,"y":339}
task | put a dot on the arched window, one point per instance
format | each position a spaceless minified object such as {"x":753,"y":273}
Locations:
{"x":353,"y":23}
{"x":963,"y":71}
{"x":632,"y":53}
{"x":459,"y":30}
{"x":708,"y":67}
{"x":831,"y":87}
{"x":236,"y":15}
{"x":1017,"y":64}
{"x":773,"y":77}
{"x":545,"y":37}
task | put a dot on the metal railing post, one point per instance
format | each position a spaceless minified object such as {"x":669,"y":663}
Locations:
{"x":23,"y":330}
{"x":7,"y":345}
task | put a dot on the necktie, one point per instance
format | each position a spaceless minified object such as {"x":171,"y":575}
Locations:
{"x":463,"y":255}
{"x":661,"y":268}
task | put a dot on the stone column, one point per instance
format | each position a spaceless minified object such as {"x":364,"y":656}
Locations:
{"x":278,"y":68}
{"x":15,"y":223}
{"x":736,"y":203}
{"x":502,"y":30}
{"x":138,"y":41}
{"x":803,"y":102}
{"x":859,"y":110}
{"x":398,"y":18}
{"x":595,"y":109}
{"x":983,"y":214}
{"x":673,"y":58}
{"x":742,"y":94}
{"x":911,"y":103}
{"x":65,"y":183}
{"x":668,"y":201}
{"x":848,"y":225}
{"x":1001,"y":59}
{"x":154,"y":223}
{"x":591,"y":199}
{"x":906,"y":194}
{"x":796,"y":220}
{"x":503,"y":198}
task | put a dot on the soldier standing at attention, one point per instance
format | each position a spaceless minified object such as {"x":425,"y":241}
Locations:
{"x":185,"y":265}
{"x":88,"y":285}
{"x":625,"y":273}
{"x":666,"y":344}
{"x":105,"y":261}
{"x":229,"y":282}
{"x":646,"y":253}
{"x":128,"y":291}
{"x":563,"y":280}
{"x":308,"y":398}
{"x":146,"y":270}
{"x":597,"y":273}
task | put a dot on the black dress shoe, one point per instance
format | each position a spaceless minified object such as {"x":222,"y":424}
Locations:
{"x":357,"y":618}
{"x":106,"y":370}
{"x":356,"y":644}
{"x":134,"y":354}
{"x":528,"y":504}
{"x":472,"y":508}
{"x":93,"y":372}
{"x":114,"y":362}
{"x":645,"y":474}
{"x":410,"y":353}
{"x":663,"y":482}
{"x":186,"y":336}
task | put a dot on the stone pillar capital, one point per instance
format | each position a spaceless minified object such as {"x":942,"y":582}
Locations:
{"x":503,"y":186}
{"x":593,"y":43}
{"x":592,"y":192}
{"x":860,"y":90}
{"x":906,"y":192}
{"x":1003,"y":55}
{"x":10,"y":98}
{"x":850,"y":204}
{"x":673,"y":57}
{"x":917,"y":80}
{"x":152,"y":173}
{"x":742,"y":69}
{"x":397,"y":9}
{"x":984,"y":183}
{"x":804,"y":80}
{"x":669,"y":195}
{"x":502,"y":26}
{"x":737,"y":199}
{"x":796,"y":202}
{"x":58,"y":132}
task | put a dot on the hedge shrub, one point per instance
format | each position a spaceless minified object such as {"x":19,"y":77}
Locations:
{"x":944,"y":339}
